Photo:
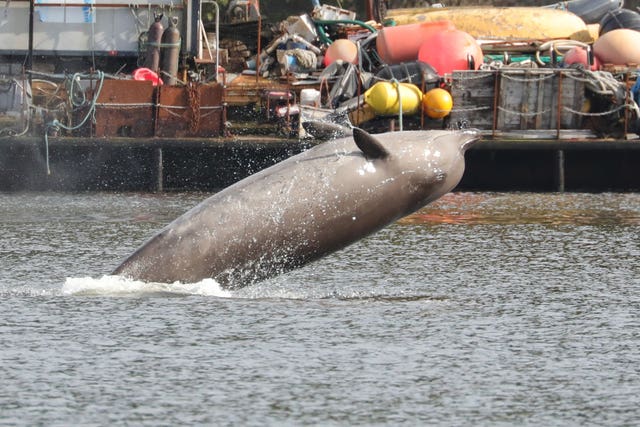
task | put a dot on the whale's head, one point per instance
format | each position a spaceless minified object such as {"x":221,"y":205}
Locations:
{"x":431,"y":162}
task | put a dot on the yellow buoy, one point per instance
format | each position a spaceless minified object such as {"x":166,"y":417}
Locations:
{"x":437,"y":103}
{"x":383,"y":97}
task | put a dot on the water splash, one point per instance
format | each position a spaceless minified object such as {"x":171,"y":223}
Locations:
{"x":121,"y":286}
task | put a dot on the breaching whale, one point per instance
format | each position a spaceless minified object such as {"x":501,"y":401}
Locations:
{"x":303,"y":208}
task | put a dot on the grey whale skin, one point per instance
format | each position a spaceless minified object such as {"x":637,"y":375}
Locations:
{"x":303,"y":208}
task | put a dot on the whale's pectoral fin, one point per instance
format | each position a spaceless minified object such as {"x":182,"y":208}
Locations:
{"x":369,"y":145}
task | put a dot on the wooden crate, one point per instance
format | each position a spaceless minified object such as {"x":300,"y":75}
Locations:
{"x":526,"y":99}
{"x":540,"y":99}
{"x":473,"y":95}
{"x":125,"y":108}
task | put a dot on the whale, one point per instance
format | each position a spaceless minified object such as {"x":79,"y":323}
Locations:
{"x":303,"y":208}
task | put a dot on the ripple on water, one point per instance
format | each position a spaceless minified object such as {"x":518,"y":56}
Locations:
{"x":481,"y":309}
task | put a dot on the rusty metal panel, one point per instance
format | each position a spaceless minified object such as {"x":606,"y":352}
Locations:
{"x":211,"y":110}
{"x":125,"y":108}
{"x":190,"y":111}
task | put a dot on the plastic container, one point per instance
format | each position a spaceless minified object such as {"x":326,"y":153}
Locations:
{"x":310,"y":97}
{"x":402,"y":43}
{"x":418,"y":73}
{"x":451,"y":50}
{"x":621,"y":18}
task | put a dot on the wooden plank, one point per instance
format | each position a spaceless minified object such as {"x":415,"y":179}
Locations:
{"x":473,"y":93}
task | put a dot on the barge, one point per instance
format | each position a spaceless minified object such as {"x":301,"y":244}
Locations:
{"x":158,"y":96}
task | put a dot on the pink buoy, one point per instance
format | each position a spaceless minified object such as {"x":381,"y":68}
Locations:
{"x":402,"y":43}
{"x":618,"y":47}
{"x":579,"y":55}
{"x":341,"y":49}
{"x":451,"y":50}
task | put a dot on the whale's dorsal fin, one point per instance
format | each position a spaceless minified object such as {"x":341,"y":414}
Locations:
{"x":369,"y":145}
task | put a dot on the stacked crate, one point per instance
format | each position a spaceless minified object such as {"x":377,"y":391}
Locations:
{"x":518,"y":99}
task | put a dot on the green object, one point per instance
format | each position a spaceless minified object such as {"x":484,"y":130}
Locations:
{"x":325,"y":38}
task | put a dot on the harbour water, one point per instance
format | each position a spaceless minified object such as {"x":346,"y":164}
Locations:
{"x":483,"y":309}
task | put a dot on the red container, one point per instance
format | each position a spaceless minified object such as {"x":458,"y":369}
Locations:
{"x":402,"y":43}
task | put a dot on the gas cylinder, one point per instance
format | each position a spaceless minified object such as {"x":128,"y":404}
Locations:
{"x":170,"y":52}
{"x":154,"y":38}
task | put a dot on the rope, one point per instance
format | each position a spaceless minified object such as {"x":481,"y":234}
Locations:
{"x":396,"y":84}
{"x":469,"y":109}
{"x":600,"y":82}
{"x":520,"y":113}
{"x":55,"y":124}
{"x":474,"y":76}
{"x":120,"y":106}
{"x":570,"y":110}
{"x":523,"y":80}
{"x":603,"y":113}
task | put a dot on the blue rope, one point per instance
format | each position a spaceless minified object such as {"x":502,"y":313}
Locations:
{"x":397,"y":86}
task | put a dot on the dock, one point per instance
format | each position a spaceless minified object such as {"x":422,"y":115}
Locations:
{"x":548,"y":125}
{"x":210,"y":164}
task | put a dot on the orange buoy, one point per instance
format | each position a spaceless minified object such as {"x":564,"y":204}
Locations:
{"x":341,"y":49}
{"x":402,"y":43}
{"x":437,"y":103}
{"x":451,"y":50}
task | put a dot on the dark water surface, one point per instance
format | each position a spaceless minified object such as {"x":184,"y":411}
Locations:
{"x":483,"y":309}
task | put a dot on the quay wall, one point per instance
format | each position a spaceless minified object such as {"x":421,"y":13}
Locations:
{"x":189,"y":165}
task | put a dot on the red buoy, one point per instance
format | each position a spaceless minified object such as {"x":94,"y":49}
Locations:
{"x":451,"y":50}
{"x":402,"y":43}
